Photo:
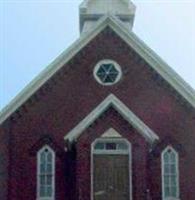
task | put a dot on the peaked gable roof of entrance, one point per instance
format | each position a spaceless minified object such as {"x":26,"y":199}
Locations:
{"x":125,"y":112}
{"x":129,"y":37}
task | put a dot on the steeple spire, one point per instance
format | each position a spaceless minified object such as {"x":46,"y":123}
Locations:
{"x":91,"y":11}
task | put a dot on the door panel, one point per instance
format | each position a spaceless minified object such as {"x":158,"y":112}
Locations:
{"x":111,"y":177}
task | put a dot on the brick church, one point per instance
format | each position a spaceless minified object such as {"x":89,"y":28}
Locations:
{"x":107,"y":120}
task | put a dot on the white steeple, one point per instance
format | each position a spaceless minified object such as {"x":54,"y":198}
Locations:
{"x":92,"y":10}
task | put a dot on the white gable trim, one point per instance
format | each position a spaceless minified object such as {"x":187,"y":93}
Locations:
{"x":111,"y":133}
{"x":154,"y":60}
{"x":126,"y":113}
{"x":50,"y":70}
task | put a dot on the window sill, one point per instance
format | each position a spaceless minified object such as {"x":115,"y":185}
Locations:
{"x":171,"y":198}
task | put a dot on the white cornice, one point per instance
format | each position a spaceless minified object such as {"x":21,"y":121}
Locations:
{"x":129,"y":37}
{"x":125,"y":112}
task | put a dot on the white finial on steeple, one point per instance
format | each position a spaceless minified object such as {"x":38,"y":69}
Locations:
{"x":92,"y":10}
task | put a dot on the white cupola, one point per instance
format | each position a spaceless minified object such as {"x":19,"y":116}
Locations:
{"x":91,"y":11}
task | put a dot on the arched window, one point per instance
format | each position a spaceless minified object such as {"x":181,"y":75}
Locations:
{"x":45,"y":173}
{"x":170,"y":174}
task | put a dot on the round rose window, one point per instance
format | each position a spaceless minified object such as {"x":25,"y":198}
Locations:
{"x":107,"y":72}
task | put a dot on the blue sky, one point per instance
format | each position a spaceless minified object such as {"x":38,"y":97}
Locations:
{"x":35,"y":32}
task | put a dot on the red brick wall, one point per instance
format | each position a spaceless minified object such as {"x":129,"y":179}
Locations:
{"x":71,"y":94}
{"x":4,"y":161}
{"x":139,"y":154}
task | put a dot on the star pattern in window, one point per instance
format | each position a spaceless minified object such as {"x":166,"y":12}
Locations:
{"x":107,"y":73}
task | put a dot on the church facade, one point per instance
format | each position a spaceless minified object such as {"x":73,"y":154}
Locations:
{"x":107,"y":120}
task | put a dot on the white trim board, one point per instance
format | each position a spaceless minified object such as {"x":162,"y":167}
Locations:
{"x":125,"y":112}
{"x":129,"y":37}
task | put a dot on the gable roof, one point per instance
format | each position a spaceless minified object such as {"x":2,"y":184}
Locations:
{"x":125,"y":112}
{"x":129,"y":37}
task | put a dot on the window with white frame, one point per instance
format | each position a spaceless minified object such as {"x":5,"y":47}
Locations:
{"x":45,"y":173}
{"x":107,"y":72}
{"x":111,"y":145}
{"x":170,"y":174}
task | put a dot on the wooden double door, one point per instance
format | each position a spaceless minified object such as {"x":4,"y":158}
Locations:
{"x":111,"y":177}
